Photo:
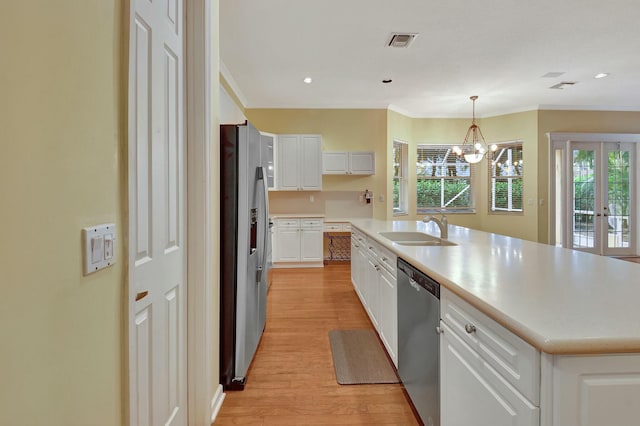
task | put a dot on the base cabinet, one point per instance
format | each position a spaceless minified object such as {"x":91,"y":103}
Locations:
{"x":298,"y":242}
{"x":473,"y":393}
{"x":373,"y":273}
{"x":388,"y":308}
{"x":593,"y":390}
{"x":490,"y":376}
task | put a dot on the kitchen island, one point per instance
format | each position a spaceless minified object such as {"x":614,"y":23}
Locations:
{"x":555,"y":333}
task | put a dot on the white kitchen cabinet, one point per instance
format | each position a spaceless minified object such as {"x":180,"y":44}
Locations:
{"x":267,"y":156}
{"x":337,"y":227}
{"x":358,"y":264}
{"x":299,"y":165}
{"x":485,"y":369}
{"x":514,"y":359}
{"x":311,"y":240}
{"x":593,"y":390}
{"x":372,"y":291}
{"x":298,"y":242}
{"x":388,"y":308}
{"x":348,"y":163}
{"x":502,"y":380}
{"x":374,"y":278}
{"x":287,"y":240}
{"x":473,"y":393}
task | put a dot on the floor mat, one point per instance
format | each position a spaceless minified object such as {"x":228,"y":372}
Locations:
{"x":359,"y":358}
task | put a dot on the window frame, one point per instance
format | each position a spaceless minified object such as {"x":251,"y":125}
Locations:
{"x":510,"y":178}
{"x":471,"y":208}
{"x":401,"y":178}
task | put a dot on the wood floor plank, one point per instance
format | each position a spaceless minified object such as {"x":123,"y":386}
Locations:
{"x":292,"y":380}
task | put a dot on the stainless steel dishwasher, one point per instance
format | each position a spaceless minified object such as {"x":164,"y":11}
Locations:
{"x":419,"y":341}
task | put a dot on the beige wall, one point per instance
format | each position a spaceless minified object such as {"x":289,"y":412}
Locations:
{"x":341,"y":130}
{"x":512,"y":127}
{"x":62,"y":168}
{"x":399,"y":128}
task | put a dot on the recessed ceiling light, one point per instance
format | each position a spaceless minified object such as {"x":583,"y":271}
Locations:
{"x":387,"y":80}
{"x":307,"y":80}
{"x":601,"y":75}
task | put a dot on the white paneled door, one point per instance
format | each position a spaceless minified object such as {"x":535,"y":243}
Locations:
{"x":156,"y":184}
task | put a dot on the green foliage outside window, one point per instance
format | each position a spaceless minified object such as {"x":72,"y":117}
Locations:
{"x":429,"y":193}
{"x":502,"y":193}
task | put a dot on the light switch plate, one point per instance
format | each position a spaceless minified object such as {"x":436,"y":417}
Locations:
{"x":99,"y":247}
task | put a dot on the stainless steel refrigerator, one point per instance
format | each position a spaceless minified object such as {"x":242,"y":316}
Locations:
{"x":244,"y":250}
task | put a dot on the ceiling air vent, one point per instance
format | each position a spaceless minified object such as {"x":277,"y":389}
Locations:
{"x":561,"y":85}
{"x":401,"y":39}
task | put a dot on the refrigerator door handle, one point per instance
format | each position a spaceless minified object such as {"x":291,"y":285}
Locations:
{"x":262,"y":175}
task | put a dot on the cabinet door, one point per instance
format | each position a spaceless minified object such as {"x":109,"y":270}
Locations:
{"x":267,"y":156}
{"x":354,"y":263}
{"x":361,"y":273}
{"x":389,"y":314}
{"x":311,"y":245}
{"x":288,"y":248}
{"x":311,"y":160}
{"x":362,"y":163}
{"x":371,"y":292}
{"x":288,"y":166}
{"x":335,"y":163}
{"x":472,"y":393}
{"x":596,"y":390}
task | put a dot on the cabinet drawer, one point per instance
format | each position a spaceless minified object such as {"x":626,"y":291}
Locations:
{"x":513,"y":358}
{"x":311,"y":223}
{"x":357,"y":236}
{"x":337,"y":227}
{"x":287,"y":223}
{"x":333,"y":227}
{"x":387,"y":259}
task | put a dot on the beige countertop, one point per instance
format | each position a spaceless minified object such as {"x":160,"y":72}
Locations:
{"x":561,"y":301}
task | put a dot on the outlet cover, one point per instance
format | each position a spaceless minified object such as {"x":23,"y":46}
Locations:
{"x":99,"y":247}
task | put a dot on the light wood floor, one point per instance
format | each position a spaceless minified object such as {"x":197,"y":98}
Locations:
{"x":291,"y":380}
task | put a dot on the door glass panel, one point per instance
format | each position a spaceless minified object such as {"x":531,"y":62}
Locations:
{"x":584,"y":198}
{"x":618,"y":199}
{"x":559,"y":198}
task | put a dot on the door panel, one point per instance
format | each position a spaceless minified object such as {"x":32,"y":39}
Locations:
{"x":585,"y":158}
{"x":617,"y":204}
{"x":157,"y":274}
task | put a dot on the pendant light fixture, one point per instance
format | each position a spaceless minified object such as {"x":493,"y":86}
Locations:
{"x":474,"y":147}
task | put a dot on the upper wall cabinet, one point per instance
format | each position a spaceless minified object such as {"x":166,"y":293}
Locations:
{"x":348,"y":163}
{"x":299,"y":165}
{"x":267,"y":156}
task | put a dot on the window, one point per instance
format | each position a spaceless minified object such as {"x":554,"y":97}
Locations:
{"x":505,"y":178}
{"x":400,"y":172}
{"x":444,"y":180}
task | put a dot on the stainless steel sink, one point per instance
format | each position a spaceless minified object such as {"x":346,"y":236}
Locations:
{"x":408,"y":238}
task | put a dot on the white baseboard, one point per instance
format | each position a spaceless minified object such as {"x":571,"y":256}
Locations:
{"x":216,"y":403}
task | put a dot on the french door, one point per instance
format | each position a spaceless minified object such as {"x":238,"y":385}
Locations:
{"x":596,"y":196}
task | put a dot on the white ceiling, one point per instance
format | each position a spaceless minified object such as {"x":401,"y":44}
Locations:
{"x":496,"y":49}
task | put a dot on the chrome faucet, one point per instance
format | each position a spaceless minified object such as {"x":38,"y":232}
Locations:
{"x":442,"y":224}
